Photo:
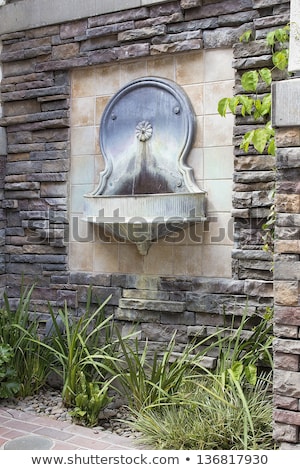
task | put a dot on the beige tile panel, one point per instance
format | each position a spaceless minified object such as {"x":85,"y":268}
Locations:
{"x":218,"y":162}
{"x":162,"y":67}
{"x":188,"y":260}
{"x":105,"y":257}
{"x":216,"y":261}
{"x":83,"y":141}
{"x":218,"y":65}
{"x":218,"y":130}
{"x":130,"y":261}
{"x":83,"y":111}
{"x":107,"y":80}
{"x":101,"y":102}
{"x":159,"y":259}
{"x":81,"y":256}
{"x":131,"y":70}
{"x":83,"y":83}
{"x":199,"y":134}
{"x":218,"y":195}
{"x":77,"y":196}
{"x":214,"y":92}
{"x":189,"y":68}
{"x":195,"y":94}
{"x":80,"y":230}
{"x":195,"y":160}
{"x":82,"y":169}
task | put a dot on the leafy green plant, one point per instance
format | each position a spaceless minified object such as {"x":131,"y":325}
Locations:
{"x":9,"y":385}
{"x":213,"y":420}
{"x":241,"y":350}
{"x":249,"y":103}
{"x":263,"y":136}
{"x":227,"y":408}
{"x":76,"y":348}
{"x":148,"y":379}
{"x":89,"y":401}
{"x":20,"y":330}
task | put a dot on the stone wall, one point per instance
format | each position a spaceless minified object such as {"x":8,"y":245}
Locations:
{"x":36,"y":92}
{"x":36,"y":102}
{"x":287,"y":266}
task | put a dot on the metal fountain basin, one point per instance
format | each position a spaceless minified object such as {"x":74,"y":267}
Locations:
{"x":143,"y":219}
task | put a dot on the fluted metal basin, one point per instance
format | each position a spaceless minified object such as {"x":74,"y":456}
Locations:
{"x":143,"y":219}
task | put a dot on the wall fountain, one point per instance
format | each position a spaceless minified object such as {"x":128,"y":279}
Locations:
{"x":147,"y":190}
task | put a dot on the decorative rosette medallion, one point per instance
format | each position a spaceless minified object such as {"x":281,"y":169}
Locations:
{"x":143,"y":131}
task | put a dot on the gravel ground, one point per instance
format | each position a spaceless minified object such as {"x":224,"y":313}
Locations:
{"x":48,"y":402}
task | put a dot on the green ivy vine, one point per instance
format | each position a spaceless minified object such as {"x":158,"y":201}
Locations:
{"x":259,"y":108}
{"x":262,"y":137}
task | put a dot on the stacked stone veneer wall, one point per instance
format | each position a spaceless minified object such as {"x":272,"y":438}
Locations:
{"x":287,"y":266}
{"x":37,"y":65}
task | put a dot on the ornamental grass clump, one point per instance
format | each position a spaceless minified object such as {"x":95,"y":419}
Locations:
{"x":19,"y":329}
{"x":77,"y":351}
{"x":227,"y":408}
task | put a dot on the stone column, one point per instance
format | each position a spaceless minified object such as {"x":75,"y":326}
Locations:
{"x":286,"y":120}
{"x":3,"y":151}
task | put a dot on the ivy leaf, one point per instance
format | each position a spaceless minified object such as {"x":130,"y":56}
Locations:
{"x":280,"y":59}
{"x":249,"y":80}
{"x":271,"y":38}
{"x":272,"y":147}
{"x":232,"y":104}
{"x":259,"y":139}
{"x":282,"y":34}
{"x":266,"y":75}
{"x":247,"y":140}
{"x":247,"y":104}
{"x":266,"y":105}
{"x":246,"y":36}
{"x":258,"y":107}
{"x":222,"y":106}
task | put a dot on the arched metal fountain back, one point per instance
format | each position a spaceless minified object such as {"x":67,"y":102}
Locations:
{"x":146,"y":134}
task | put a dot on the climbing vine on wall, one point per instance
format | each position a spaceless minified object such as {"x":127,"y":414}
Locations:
{"x":262,"y":136}
{"x":259,"y":108}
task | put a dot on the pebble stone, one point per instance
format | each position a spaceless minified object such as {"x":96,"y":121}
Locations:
{"x":48,"y":402}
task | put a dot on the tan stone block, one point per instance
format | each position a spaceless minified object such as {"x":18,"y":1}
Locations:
{"x":288,"y":203}
{"x":214,"y":92}
{"x":287,"y":246}
{"x":217,"y":130}
{"x":65,"y":51}
{"x":286,"y":293}
{"x":286,"y":137}
{"x":218,"y":65}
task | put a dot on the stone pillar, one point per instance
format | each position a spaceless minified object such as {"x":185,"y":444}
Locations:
{"x":286,"y":118}
{"x":3,"y":151}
